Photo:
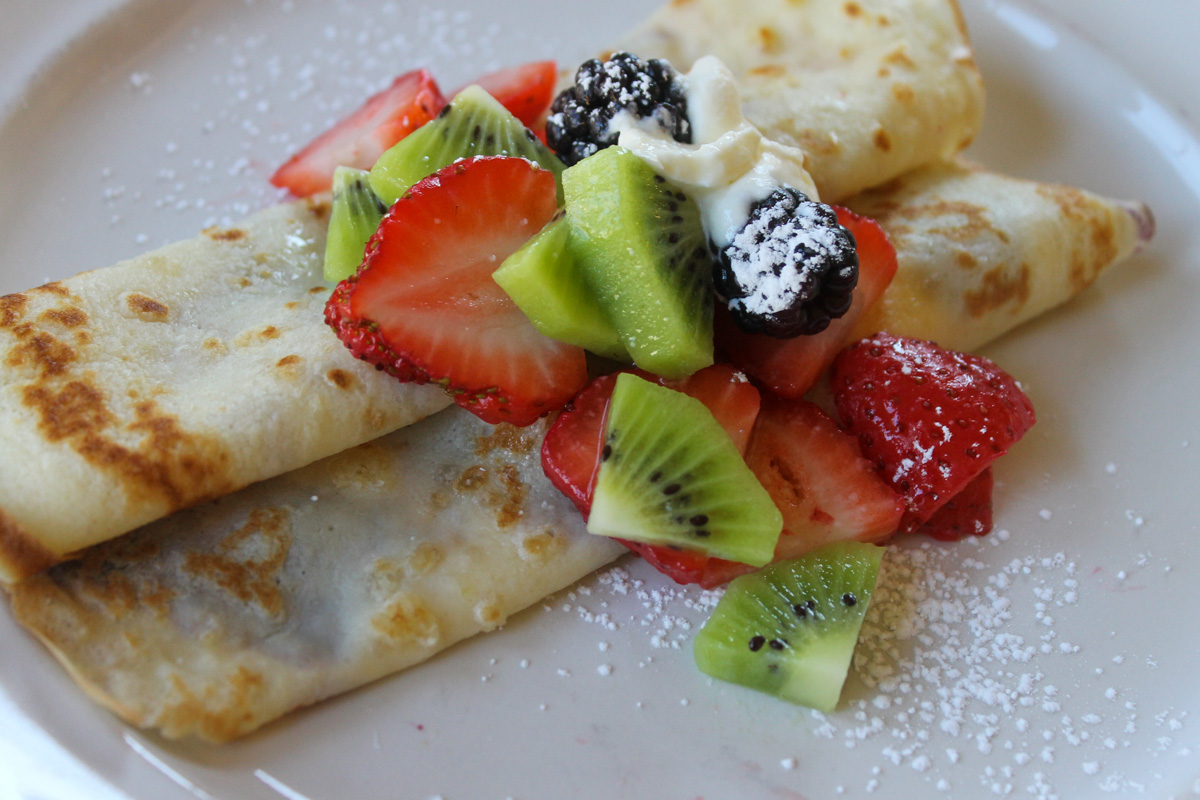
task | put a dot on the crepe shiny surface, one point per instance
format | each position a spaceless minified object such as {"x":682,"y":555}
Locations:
{"x":130,"y":392}
{"x":867,"y":89}
{"x":980,"y":253}
{"x":225,"y":616}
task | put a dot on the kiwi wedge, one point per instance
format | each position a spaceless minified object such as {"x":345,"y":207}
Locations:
{"x":646,"y":259}
{"x":670,"y":475}
{"x":545,"y":281}
{"x":352,"y":222}
{"x":472,"y":124}
{"x":789,"y":630}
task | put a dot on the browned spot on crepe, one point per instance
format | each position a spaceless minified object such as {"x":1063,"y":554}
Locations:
{"x":974,"y":219}
{"x":12,"y":309}
{"x":25,"y":555}
{"x":426,"y":557}
{"x":966,"y":260}
{"x":539,"y":547}
{"x":882,"y":140}
{"x":318,"y":208}
{"x":247,"y":562}
{"x":770,"y":39}
{"x":900,"y":58}
{"x":509,"y":503}
{"x":407,"y":619}
{"x":68,"y":317}
{"x":39,"y":350}
{"x":224,"y":712}
{"x":471,"y":478}
{"x":506,"y":437}
{"x":146,"y":307}
{"x":999,"y":288}
{"x":288,"y":361}
{"x":317,"y":290}
{"x":225,"y":234}
{"x":903,"y":92}
{"x":269,"y":332}
{"x":1102,"y":236}
{"x":53,"y":287}
{"x":152,"y":456}
{"x":341,"y":379}
{"x":768,"y":70}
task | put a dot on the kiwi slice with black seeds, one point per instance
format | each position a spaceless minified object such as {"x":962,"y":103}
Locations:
{"x":646,"y":259}
{"x":472,"y":124}
{"x":546,"y":282}
{"x":789,"y":630}
{"x":354,"y":219}
{"x":669,"y":474}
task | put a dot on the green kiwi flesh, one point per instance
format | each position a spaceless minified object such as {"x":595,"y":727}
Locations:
{"x":354,"y":219}
{"x":670,"y":475}
{"x":546,"y":282}
{"x":472,"y":124}
{"x":646,"y":258}
{"x":789,"y":630}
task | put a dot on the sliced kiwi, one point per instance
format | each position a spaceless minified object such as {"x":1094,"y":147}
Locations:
{"x":546,"y":282}
{"x":670,"y":475}
{"x":356,"y":213}
{"x":646,"y":259}
{"x":472,"y":124}
{"x":789,"y":630}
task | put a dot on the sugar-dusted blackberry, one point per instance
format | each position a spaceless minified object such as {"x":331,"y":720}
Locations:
{"x":790,"y":270}
{"x":580,"y":117}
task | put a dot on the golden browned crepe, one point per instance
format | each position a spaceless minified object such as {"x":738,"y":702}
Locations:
{"x":130,"y":392}
{"x":980,"y":253}
{"x":220,"y":618}
{"x":868,"y":89}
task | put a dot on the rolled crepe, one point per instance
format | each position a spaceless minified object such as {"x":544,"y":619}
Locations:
{"x":130,"y":392}
{"x":868,"y":89}
{"x":223,"y":617}
{"x":980,"y":253}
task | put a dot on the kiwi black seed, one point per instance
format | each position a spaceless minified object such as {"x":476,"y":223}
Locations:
{"x":472,"y":124}
{"x":355,"y":217}
{"x":812,"y":606}
{"x":546,"y":282}
{"x":646,"y":259}
{"x":674,"y":477}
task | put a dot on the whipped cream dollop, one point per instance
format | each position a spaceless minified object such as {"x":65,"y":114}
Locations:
{"x":730,"y":165}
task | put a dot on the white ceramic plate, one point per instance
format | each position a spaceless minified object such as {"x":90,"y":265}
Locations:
{"x":1057,"y":660}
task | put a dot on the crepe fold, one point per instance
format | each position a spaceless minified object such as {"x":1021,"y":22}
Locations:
{"x":130,"y":392}
{"x":980,"y":253}
{"x":225,"y":616}
{"x":868,"y":89}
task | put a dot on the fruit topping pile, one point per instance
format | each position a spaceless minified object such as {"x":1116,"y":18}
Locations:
{"x":580,"y":121}
{"x":712,"y":292}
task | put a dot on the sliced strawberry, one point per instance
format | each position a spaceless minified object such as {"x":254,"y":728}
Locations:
{"x":571,"y":449}
{"x":968,"y":513}
{"x":789,"y":367}
{"x":360,"y":139}
{"x":819,"y":479}
{"x":526,"y":91}
{"x":931,"y":419}
{"x":426,"y":287}
{"x":364,"y":340}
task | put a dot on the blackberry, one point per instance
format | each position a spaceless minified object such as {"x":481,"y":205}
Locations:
{"x":790,"y":270}
{"x":579,"y":120}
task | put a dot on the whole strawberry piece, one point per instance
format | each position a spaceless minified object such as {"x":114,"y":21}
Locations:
{"x":931,"y":419}
{"x":424,"y":301}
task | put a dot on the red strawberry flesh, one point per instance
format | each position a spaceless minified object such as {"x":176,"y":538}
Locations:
{"x":968,"y":513}
{"x":931,"y":419}
{"x":359,"y":139}
{"x":526,"y":90}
